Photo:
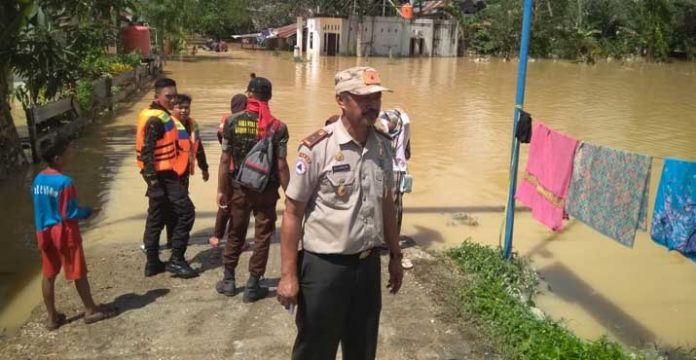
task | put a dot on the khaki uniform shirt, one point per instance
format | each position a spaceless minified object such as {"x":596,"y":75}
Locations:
{"x":343,"y":185}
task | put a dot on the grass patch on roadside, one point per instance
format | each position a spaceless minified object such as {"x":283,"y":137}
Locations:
{"x":499,"y":294}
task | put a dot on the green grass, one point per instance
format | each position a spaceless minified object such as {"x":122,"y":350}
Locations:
{"x":498,"y":294}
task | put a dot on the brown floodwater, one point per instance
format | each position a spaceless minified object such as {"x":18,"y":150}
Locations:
{"x":461,"y":110}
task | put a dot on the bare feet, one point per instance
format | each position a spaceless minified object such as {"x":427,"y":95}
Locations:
{"x":55,"y":323}
{"x":214,"y":241}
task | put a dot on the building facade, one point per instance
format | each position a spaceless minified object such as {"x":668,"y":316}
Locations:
{"x":379,"y":36}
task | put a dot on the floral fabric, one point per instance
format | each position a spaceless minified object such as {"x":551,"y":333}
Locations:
{"x":609,"y":191}
{"x":674,"y":217}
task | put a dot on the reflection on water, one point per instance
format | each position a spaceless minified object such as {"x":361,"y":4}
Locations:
{"x":461,"y":111}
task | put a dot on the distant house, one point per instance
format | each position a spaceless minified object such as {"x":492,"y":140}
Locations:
{"x":381,"y":36}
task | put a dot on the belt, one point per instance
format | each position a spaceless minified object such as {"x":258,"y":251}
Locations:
{"x":346,"y":257}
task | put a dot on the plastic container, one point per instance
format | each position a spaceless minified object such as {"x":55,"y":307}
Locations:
{"x":407,"y":11}
{"x":136,"y":38}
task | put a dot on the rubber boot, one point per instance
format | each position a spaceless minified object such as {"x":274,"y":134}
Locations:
{"x":254,"y":291}
{"x":226,"y":286}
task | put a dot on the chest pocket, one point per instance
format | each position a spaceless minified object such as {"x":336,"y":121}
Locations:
{"x":337,"y":189}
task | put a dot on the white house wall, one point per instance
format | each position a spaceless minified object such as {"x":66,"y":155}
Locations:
{"x":423,"y":29}
{"x":445,"y":34}
{"x":384,"y":34}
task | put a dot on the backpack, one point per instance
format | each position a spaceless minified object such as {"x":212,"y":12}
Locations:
{"x":254,"y":172}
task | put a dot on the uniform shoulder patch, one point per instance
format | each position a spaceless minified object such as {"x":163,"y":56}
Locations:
{"x":315,"y":138}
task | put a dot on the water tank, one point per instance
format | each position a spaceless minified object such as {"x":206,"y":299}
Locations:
{"x":136,"y":38}
{"x":407,"y":11}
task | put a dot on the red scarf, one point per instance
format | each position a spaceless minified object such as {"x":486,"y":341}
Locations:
{"x":267,"y":123}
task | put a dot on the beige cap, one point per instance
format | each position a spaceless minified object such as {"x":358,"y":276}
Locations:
{"x":359,"y":80}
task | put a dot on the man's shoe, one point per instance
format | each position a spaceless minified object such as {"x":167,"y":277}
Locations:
{"x":253,"y":291}
{"x":153,"y":268}
{"x":180,"y":268}
{"x":226,"y":286}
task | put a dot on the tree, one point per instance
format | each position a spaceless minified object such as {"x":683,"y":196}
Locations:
{"x":220,"y":18}
{"x":13,"y":16}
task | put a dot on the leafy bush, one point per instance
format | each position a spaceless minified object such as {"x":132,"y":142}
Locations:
{"x":83,"y":94}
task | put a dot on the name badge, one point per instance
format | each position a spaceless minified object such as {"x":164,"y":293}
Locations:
{"x":340,"y":168}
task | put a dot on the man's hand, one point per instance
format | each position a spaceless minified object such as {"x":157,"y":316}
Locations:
{"x":288,"y":288}
{"x":396,"y":274}
{"x":206,"y":175}
{"x":222,"y":201}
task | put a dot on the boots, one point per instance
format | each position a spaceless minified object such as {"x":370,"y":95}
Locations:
{"x":253,"y":290}
{"x":226,"y":286}
{"x":178,"y":266}
{"x":153,"y":266}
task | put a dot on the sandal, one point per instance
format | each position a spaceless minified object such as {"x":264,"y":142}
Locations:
{"x":102,"y":313}
{"x":406,"y":263}
{"x":61,"y":320}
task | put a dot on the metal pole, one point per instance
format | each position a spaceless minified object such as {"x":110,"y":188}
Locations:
{"x":519,"y":102}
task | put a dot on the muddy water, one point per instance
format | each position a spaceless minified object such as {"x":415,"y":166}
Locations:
{"x":461,"y":111}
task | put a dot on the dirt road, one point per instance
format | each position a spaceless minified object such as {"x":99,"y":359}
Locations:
{"x":168,"y":318}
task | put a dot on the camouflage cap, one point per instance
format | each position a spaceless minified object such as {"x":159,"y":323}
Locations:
{"x":360,"y":80}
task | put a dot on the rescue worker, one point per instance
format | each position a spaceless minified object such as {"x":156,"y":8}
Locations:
{"x":339,"y":210}
{"x":242,"y":132}
{"x":158,"y":157}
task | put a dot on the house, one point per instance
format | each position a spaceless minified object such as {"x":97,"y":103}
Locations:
{"x":380,"y":36}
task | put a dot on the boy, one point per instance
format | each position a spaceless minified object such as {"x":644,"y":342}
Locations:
{"x":182,"y":113}
{"x":238,"y":104}
{"x":56,"y":216}
{"x":193,"y":147}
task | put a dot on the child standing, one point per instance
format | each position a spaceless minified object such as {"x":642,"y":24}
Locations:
{"x":56,"y":216}
{"x":237,"y":105}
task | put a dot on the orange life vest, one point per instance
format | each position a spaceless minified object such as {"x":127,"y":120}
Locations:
{"x":188,"y":144}
{"x":166,"y":149}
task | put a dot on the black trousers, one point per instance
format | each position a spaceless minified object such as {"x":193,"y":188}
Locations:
{"x":340,"y":301}
{"x":169,"y":201}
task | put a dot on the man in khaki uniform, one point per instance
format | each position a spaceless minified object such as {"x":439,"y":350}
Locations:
{"x":339,"y":209}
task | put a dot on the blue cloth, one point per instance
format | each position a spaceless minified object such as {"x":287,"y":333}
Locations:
{"x":674,"y":218}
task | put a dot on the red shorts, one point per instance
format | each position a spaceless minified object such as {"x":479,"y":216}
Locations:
{"x":72,"y":258}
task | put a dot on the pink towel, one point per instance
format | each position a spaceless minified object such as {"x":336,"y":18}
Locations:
{"x":544,"y":184}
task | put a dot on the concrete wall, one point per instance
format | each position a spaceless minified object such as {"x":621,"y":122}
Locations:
{"x":382,"y":36}
{"x":379,"y":36}
{"x":423,"y":29}
{"x":445,"y":35}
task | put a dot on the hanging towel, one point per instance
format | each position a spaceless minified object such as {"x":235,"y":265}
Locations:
{"x":609,"y":191}
{"x":544,"y":184}
{"x":674,"y":217}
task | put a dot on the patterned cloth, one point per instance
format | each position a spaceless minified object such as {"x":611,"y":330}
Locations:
{"x":674,"y":217}
{"x":544,"y":184}
{"x":609,"y":191}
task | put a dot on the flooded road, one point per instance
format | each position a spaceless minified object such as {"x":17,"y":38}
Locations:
{"x":461,"y":111}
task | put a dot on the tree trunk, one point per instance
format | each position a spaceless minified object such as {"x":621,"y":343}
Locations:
{"x":11,"y":155}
